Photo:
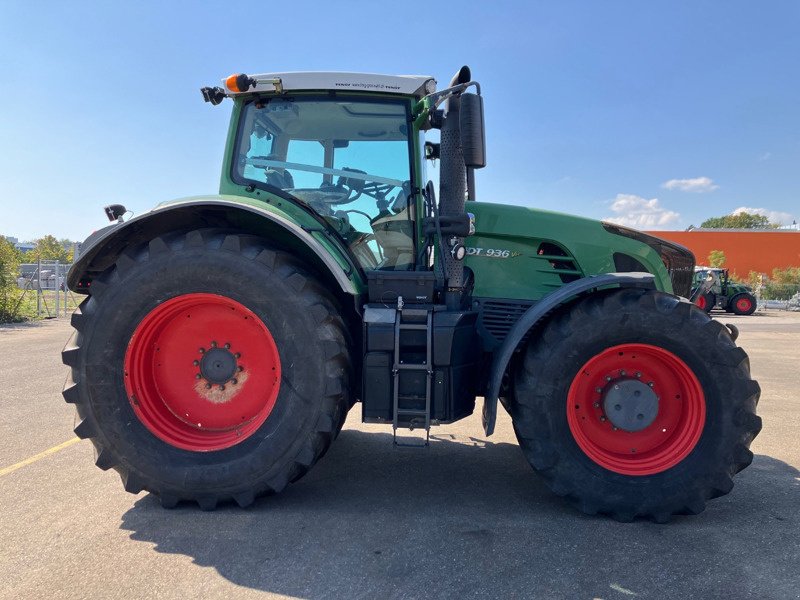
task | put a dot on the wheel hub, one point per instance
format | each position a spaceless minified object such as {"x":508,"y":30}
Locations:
{"x":218,"y":365}
{"x":184,"y":374}
{"x":670,"y":401}
{"x":630,"y":405}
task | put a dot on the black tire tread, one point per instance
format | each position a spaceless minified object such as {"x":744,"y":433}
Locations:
{"x":749,"y":296}
{"x":312,"y":295}
{"x":542,"y":453}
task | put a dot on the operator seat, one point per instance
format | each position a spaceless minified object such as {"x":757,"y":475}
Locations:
{"x":278,"y":177}
{"x":394,"y":231}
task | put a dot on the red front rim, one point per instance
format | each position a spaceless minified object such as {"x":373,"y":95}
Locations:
{"x":744,"y":304}
{"x":675,"y":429}
{"x":202,"y":372}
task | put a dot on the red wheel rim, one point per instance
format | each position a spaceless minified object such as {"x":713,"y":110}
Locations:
{"x":202,"y":372}
{"x":743,"y":304}
{"x":677,"y":425}
{"x":701,"y":302}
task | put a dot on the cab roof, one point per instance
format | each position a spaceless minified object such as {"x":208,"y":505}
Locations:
{"x":418,"y":85}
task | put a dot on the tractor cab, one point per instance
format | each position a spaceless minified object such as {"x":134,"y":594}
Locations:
{"x":349,"y":159}
{"x":343,"y":145}
{"x":349,"y":148}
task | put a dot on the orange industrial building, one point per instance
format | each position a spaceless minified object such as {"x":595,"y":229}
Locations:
{"x":746,"y":250}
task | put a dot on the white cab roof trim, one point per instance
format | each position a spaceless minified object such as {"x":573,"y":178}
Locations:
{"x":362,"y":82}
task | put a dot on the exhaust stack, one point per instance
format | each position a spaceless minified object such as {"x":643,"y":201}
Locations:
{"x":453,"y":187}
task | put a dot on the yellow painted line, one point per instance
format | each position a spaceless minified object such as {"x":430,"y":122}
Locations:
{"x":40,"y":456}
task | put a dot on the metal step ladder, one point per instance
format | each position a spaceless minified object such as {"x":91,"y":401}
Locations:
{"x":403,"y":413}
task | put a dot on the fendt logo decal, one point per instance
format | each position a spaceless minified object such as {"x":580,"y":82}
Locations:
{"x":492,"y":252}
{"x":366,"y":86}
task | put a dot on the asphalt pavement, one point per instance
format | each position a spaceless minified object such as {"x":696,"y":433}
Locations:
{"x":464,"y":518}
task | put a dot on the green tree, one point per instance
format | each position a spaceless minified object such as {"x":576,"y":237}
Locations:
{"x":49,"y":248}
{"x":70,"y":246}
{"x":9,"y":263}
{"x":716,"y":258}
{"x":782,"y":285}
{"x":742,"y":220}
{"x":789,"y":275}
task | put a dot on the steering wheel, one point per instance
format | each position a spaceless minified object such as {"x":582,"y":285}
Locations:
{"x":344,"y":191}
{"x":330,"y":194}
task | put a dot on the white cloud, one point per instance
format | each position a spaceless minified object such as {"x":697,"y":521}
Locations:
{"x":697,"y":185}
{"x":765,"y":156}
{"x":635,"y":211}
{"x":774,"y":216}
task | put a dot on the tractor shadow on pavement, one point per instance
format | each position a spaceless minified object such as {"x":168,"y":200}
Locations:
{"x":467,"y":517}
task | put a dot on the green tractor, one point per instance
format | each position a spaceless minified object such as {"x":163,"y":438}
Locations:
{"x":713,"y":288}
{"x":223,"y":339}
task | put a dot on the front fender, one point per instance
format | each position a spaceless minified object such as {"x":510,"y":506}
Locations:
{"x":308,"y":240}
{"x":536,"y":313}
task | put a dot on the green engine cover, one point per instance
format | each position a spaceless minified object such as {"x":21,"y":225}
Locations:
{"x":526,"y":253}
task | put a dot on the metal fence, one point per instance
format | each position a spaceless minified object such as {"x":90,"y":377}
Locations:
{"x":44,"y":283}
{"x":777,"y":296}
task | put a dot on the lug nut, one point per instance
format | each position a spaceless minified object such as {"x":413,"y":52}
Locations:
{"x":597,"y":405}
{"x":202,"y":350}
{"x":598,"y":390}
{"x":638,"y":374}
{"x":197,"y":376}
{"x":208,"y":386}
{"x":241,"y":368}
{"x":213,"y":344}
{"x":603,"y":419}
{"x":608,"y":378}
{"x":195,"y":362}
{"x":227,"y":345}
{"x":222,"y":388}
{"x":237,"y":355}
{"x":234,"y":381}
{"x":622,"y":372}
{"x":650,"y":383}
{"x":615,"y":428}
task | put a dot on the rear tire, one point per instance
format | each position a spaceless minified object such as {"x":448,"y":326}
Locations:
{"x":704,"y":397}
{"x":201,"y":291}
{"x":743,"y":304}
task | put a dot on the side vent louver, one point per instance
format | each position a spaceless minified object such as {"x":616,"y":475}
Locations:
{"x":561,"y":262}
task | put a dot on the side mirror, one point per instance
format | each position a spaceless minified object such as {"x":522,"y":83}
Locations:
{"x":473,"y":141}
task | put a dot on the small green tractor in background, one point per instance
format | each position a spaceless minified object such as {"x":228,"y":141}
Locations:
{"x":713,"y":288}
{"x":223,"y":339}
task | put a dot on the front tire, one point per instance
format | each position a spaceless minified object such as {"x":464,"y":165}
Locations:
{"x":706,"y":302}
{"x":209,"y":367}
{"x":743,"y":304}
{"x":635,"y":403}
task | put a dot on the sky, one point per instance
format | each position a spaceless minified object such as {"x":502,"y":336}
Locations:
{"x":655,"y":114}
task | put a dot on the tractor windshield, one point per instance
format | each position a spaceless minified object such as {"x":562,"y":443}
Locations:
{"x":347,"y":159}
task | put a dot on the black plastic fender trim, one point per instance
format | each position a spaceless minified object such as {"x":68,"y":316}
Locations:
{"x":533,"y":315}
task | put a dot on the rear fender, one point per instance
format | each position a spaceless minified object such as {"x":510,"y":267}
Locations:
{"x":537,"y":314}
{"x":328,"y":257}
